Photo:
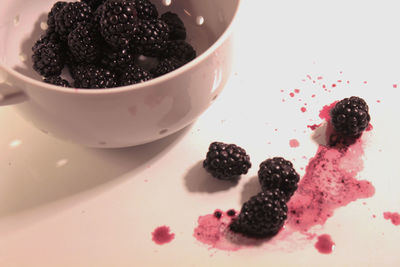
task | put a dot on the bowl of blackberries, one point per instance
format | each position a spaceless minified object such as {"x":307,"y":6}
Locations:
{"x":114,"y":73}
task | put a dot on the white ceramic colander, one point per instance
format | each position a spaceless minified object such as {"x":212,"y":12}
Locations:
{"x":122,"y":116}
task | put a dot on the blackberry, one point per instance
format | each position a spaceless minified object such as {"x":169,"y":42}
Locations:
{"x":48,"y":37}
{"x":70,"y":15}
{"x":278,"y":173}
{"x":83,"y":42}
{"x":145,"y":9}
{"x":134,"y":74}
{"x":151,"y":50}
{"x":116,"y":59}
{"x":94,"y":4}
{"x":226,"y":161}
{"x":117,"y":22}
{"x":180,"y":50}
{"x":93,"y":77}
{"x":350,"y":116}
{"x":57,"y":80}
{"x":177,"y":29}
{"x":148,"y":32}
{"x":48,"y":59}
{"x":263,"y":215}
{"x":51,"y":23}
{"x":166,"y":65}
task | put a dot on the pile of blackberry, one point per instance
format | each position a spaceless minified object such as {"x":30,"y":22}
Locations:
{"x":100,"y":42}
{"x":265,"y":213}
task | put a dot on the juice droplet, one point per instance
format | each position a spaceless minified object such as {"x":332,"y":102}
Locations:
{"x":394,"y":217}
{"x":162,"y":235}
{"x":294,"y":143}
{"x":324,"y":244}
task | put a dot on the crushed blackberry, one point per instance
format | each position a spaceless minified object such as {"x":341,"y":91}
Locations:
{"x":57,"y":80}
{"x":263,"y":215}
{"x":118,"y":20}
{"x":226,"y":161}
{"x":48,"y":59}
{"x":180,"y":50}
{"x":83,"y":42}
{"x":116,"y":58}
{"x":146,"y":10}
{"x":278,"y":173}
{"x":94,"y":4}
{"x":93,"y":77}
{"x":177,"y":30}
{"x":150,"y":32}
{"x":165,"y":66}
{"x":217,"y":214}
{"x":350,"y":116}
{"x":134,"y":74}
{"x":51,"y":23}
{"x":69,"y":16}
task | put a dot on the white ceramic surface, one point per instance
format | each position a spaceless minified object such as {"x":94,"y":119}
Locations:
{"x":66,"y":205}
{"x":124,"y":116}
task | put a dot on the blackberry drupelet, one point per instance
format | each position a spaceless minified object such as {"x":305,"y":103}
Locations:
{"x":70,"y":15}
{"x":134,"y":74}
{"x":177,"y":30}
{"x":57,"y":80}
{"x":146,"y":10}
{"x":117,"y":23}
{"x":94,"y":4}
{"x":180,"y":50}
{"x":48,"y":59}
{"x":51,"y":23}
{"x":278,"y":173}
{"x":226,"y":161}
{"x":263,"y":215}
{"x":93,"y":77}
{"x":166,"y":65}
{"x":150,"y":32}
{"x":84,"y":43}
{"x":116,"y":59}
{"x":350,"y":116}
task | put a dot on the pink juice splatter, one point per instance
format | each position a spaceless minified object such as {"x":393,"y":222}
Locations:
{"x":294,"y":143}
{"x":394,"y":217}
{"x":324,"y":244}
{"x":162,"y":235}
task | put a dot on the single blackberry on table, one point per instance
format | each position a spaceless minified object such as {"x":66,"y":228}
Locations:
{"x":116,"y":58}
{"x":263,"y":215}
{"x":146,"y":9}
{"x":117,"y":22}
{"x":93,"y":77}
{"x":226,"y":161}
{"x":84,"y":43}
{"x":57,"y":80}
{"x":134,"y":74}
{"x":150,"y":32}
{"x":350,"y":116}
{"x":180,"y":50}
{"x":165,"y":66}
{"x":51,"y":22}
{"x":177,"y":30}
{"x":278,"y":173}
{"x":48,"y":59}
{"x":94,"y":4}
{"x":70,"y":15}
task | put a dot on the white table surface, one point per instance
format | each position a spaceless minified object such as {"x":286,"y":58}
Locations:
{"x":66,"y":205}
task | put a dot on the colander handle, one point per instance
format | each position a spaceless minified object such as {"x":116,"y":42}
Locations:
{"x":10,"y":95}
